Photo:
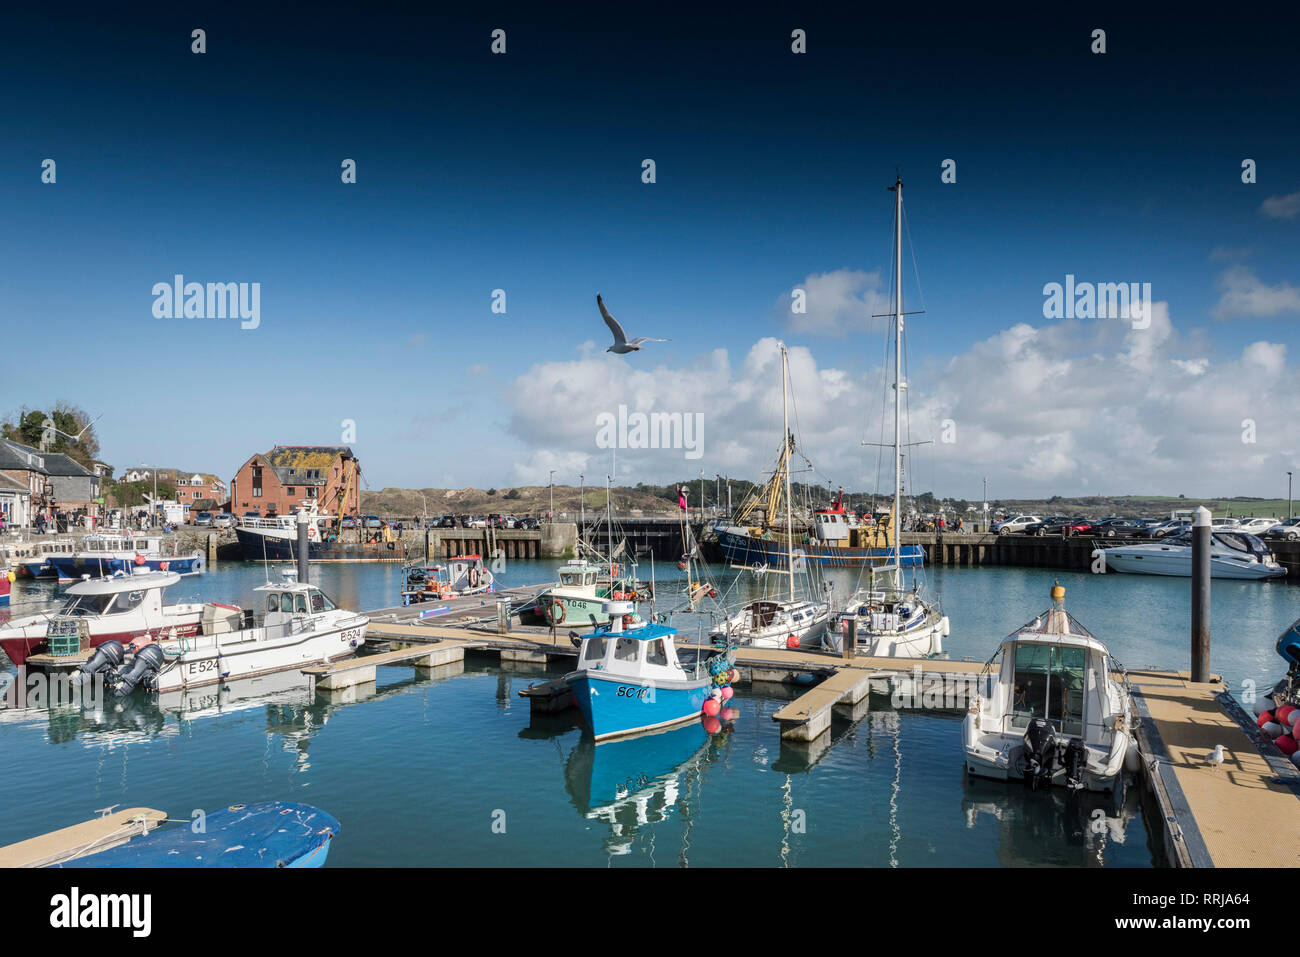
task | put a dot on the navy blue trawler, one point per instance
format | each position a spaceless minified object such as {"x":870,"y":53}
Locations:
{"x":275,"y":539}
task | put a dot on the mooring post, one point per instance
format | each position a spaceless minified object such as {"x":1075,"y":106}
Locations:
{"x":1201,"y":594}
{"x":503,"y":616}
{"x":850,"y":637}
{"x":302,"y":547}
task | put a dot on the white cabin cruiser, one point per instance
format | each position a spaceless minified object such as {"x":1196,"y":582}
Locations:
{"x":1233,"y":554}
{"x":298,"y":627}
{"x":1057,"y":710}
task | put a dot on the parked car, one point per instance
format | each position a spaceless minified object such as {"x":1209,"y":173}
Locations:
{"x":203,"y":518}
{"x":447,"y":521}
{"x":528,"y":522}
{"x":496,"y":520}
{"x":348,"y":521}
{"x":1052,"y":521}
{"x":223,"y":520}
{"x":371,"y":521}
{"x":1164,"y":529}
{"x":1255,"y":526}
{"x":1118,"y":527}
{"x":1017,"y":523}
{"x":1288,"y":530}
{"x":251,"y":514}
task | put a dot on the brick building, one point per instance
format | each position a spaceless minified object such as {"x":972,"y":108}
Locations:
{"x":276,"y":482}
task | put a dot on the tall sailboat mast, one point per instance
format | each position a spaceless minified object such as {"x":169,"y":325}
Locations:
{"x":897,"y":190}
{"x":785,"y":438}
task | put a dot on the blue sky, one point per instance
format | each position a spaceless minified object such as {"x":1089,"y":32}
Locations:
{"x":522,"y":172}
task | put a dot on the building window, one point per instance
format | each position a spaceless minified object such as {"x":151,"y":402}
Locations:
{"x":290,"y":490}
{"x":257,"y":491}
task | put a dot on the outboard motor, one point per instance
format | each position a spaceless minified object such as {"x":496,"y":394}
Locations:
{"x":1040,"y":753}
{"x":107,"y":657}
{"x":148,"y":660}
{"x":1076,"y":759}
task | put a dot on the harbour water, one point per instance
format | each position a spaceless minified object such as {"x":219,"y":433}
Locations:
{"x":455,"y":771}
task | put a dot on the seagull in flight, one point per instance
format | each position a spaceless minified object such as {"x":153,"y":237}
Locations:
{"x":622,"y":344}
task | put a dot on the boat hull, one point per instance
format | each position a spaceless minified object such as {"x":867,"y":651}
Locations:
{"x":614,"y":706}
{"x":72,"y":567}
{"x":20,"y":647}
{"x":258,"y":547}
{"x":742,"y":549}
{"x":1134,"y":561}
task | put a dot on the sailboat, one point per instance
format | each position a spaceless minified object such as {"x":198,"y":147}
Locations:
{"x":791,"y":622}
{"x":890,"y":619}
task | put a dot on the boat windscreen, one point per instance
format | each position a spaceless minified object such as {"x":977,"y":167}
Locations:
{"x":1049,"y":682}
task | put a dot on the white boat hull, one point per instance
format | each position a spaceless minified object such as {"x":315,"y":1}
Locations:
{"x":212,"y":659}
{"x":1151,"y":560}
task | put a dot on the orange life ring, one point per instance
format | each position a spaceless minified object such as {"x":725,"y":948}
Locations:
{"x":554,"y":616}
{"x":139,"y":559}
{"x":162,"y":566}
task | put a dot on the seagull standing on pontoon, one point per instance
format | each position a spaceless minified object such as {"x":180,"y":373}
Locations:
{"x":622,"y":344}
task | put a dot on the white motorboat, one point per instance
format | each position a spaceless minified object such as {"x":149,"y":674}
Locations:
{"x":1057,"y":709}
{"x":121,"y":607}
{"x":299,"y":626}
{"x":1232,"y":555}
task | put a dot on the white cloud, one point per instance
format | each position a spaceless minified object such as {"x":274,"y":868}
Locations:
{"x":1243,"y":294}
{"x":1061,"y":408}
{"x":836,"y":303}
{"x":1281,"y":207}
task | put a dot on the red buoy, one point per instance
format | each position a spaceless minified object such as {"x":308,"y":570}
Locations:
{"x":792,"y":642}
{"x":1264,"y":718}
{"x":711,"y":706}
{"x":727,"y":692}
{"x":1287,"y":744}
{"x":1286,"y":715}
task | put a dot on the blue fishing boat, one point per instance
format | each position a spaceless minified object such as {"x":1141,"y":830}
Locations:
{"x":630,"y":678}
{"x":270,"y":834}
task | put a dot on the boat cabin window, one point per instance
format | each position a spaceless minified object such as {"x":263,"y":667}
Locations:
{"x":1049,"y":683}
{"x":655,"y":653}
{"x":625,"y":649}
{"x":129,"y":600}
{"x":301,"y":604}
{"x":273,"y":602}
{"x":595,"y":649}
{"x":84,"y":606}
{"x":319,"y":602}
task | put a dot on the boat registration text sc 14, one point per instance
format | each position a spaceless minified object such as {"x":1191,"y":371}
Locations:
{"x":632,"y":691}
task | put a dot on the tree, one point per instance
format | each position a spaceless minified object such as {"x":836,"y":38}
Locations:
{"x":27,"y":426}
{"x":512,"y":494}
{"x":492,"y":491}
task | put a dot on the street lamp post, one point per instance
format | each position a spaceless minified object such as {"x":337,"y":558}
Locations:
{"x":550,"y":515}
{"x":1288,"y":494}
{"x":582,"y":504}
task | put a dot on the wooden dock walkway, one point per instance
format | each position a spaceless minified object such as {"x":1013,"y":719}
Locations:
{"x":1245,"y":813}
{"x":97,"y":834}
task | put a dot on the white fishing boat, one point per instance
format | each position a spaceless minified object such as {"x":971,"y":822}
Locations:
{"x":791,"y":621}
{"x":1057,"y":709}
{"x":299,"y":625}
{"x":890,"y":619}
{"x":1232,"y":555}
{"x":456,"y":578}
